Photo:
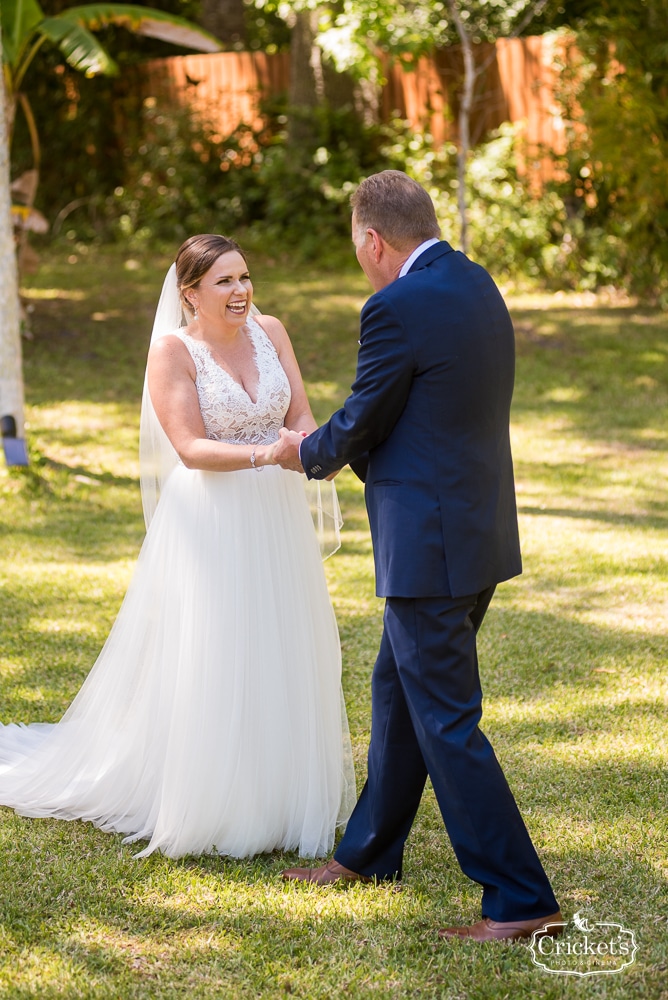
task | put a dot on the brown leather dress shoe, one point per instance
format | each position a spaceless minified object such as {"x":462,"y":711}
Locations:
{"x":495,"y":930}
{"x":325,"y":875}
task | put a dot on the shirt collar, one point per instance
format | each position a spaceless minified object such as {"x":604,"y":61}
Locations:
{"x":416,"y":253}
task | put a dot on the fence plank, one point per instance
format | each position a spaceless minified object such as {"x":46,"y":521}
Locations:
{"x":225,"y":88}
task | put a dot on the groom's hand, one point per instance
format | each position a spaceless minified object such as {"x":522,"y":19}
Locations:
{"x":286,"y":450}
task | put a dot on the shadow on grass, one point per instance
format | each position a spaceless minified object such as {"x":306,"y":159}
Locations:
{"x":527,"y":654}
{"x":656,"y":519}
{"x":102,"y":534}
{"x":37,"y":483}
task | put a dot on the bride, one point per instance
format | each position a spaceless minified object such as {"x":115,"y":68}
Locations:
{"x":213,"y":719}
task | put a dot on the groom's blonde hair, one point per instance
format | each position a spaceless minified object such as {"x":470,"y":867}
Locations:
{"x":397,"y":207}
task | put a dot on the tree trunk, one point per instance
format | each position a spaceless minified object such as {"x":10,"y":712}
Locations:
{"x":307,"y":84}
{"x":471,"y":74}
{"x":465,"y":105}
{"x":11,"y":371}
{"x":225,"y":19}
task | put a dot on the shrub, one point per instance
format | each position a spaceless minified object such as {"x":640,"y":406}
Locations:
{"x":181,"y":178}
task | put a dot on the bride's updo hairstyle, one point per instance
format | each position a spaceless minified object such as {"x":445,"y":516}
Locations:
{"x":194,"y":259}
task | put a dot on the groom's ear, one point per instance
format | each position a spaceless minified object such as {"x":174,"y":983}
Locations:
{"x":377,"y":244}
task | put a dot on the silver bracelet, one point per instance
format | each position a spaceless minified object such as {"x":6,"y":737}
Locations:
{"x":258,"y":468}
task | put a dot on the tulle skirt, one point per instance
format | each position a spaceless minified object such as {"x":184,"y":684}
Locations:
{"x":213,"y":719}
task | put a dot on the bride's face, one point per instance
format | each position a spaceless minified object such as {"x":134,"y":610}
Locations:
{"x":225,"y":292}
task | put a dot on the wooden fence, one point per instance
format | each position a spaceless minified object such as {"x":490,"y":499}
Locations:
{"x":226,"y":87}
{"x":519,"y":85}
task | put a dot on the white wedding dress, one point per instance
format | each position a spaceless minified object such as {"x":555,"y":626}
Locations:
{"x":213,"y":718}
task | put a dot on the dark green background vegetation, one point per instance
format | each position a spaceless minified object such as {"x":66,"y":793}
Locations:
{"x":115,"y":169}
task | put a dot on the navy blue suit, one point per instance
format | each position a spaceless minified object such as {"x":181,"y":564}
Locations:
{"x":427,"y":427}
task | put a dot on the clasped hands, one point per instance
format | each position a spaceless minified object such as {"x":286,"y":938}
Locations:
{"x":286,"y":450}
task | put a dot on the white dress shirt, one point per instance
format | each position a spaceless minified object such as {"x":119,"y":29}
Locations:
{"x":416,"y":253}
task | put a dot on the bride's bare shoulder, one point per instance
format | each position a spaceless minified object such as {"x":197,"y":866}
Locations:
{"x":169,"y":350}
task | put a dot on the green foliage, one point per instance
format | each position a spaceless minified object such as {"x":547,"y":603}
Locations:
{"x":175,"y":176}
{"x":265,"y":30}
{"x":605,"y":222}
{"x":617,"y":187}
{"x":625,"y":94}
{"x":354,"y":32}
{"x":513,"y":232}
{"x":25,"y":28}
{"x":83,"y":158}
{"x":162,"y":175}
{"x":173,"y":181}
{"x":182,"y":178}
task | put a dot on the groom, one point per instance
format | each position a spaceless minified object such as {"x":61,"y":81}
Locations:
{"x":426,"y":426}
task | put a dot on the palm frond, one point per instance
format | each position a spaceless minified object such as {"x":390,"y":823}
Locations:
{"x":143,"y":21}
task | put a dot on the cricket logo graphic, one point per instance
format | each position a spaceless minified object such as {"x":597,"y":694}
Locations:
{"x":584,"y":949}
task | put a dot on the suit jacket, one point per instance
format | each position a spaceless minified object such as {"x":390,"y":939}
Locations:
{"x":427,"y":426}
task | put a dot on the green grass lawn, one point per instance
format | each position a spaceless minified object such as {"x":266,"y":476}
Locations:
{"x":573,"y":658}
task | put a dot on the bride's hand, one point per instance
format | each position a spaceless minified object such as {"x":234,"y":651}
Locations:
{"x":286,"y":452}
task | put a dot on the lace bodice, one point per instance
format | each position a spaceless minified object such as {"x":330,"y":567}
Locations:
{"x":228,"y":412}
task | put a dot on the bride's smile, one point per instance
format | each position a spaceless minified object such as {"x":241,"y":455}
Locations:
{"x":224,"y":294}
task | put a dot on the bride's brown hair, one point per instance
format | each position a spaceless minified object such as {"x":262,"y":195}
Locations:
{"x":196,"y":256}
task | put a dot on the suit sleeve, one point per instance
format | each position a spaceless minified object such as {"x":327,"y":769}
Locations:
{"x":385,"y":369}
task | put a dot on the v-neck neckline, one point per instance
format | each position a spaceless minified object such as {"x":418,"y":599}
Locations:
{"x":231,"y":377}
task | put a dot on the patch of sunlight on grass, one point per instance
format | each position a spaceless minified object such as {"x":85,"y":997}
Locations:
{"x":102,"y":317}
{"x":625,"y":616}
{"x":564,"y":394}
{"x":626,"y":747}
{"x":294,"y":903}
{"x":568,"y":300}
{"x":563,"y":708}
{"x":40,"y":967}
{"x":49,"y":294}
{"x":31,"y":695}
{"x":74,"y":573}
{"x":73,"y":626}
{"x":652,"y":434}
{"x":324,"y":392}
{"x":139,"y":950}
{"x":84,"y":416}
{"x":85,"y":435}
{"x":602,"y":748}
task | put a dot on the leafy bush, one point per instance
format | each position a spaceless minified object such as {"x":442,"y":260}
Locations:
{"x":180,"y":178}
{"x":515,"y":233}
